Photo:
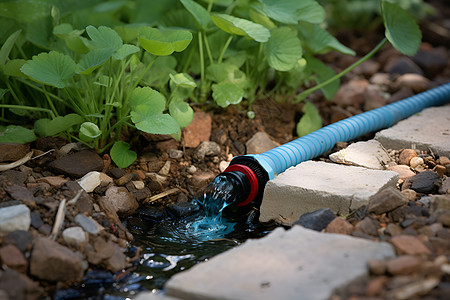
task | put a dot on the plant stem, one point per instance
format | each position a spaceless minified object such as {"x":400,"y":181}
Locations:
{"x":202,"y":62}
{"x":219,"y":60}
{"x":208,"y":49}
{"x":307,"y":92}
{"x":29,"y":108}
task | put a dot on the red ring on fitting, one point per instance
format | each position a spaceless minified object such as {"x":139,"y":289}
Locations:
{"x":254,"y":186}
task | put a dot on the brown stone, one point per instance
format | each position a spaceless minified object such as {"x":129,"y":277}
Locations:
{"x":409,"y":194}
{"x":13,"y":152}
{"x":53,"y":262}
{"x":200,"y":179}
{"x":440,"y":170}
{"x":375,"y":285}
{"x":444,"y":160}
{"x":407,"y":244}
{"x":54,"y":181}
{"x":416,"y":82}
{"x":11,"y":256}
{"x":122,"y":200}
{"x":377,"y":267}
{"x":339,"y":225}
{"x":77,"y":164}
{"x":406,"y":155}
{"x":198,"y":131}
{"x":386,"y":200}
{"x":403,"y":265}
{"x":351,"y":93}
{"x":17,"y":286}
{"x":402,"y":171}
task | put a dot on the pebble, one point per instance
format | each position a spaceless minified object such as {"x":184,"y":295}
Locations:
{"x":386,"y":200}
{"x":15,"y":217}
{"x":198,"y":131}
{"x":88,"y":224}
{"x":21,"y":239}
{"x":125,"y":179}
{"x":415,"y":162}
{"x":424,"y":182}
{"x":351,"y":93}
{"x":406,"y":155}
{"x":175,"y":153}
{"x":201,"y":179}
{"x":90,"y":181}
{"x":445,"y":186}
{"x":165,"y":170}
{"x":139,"y":185}
{"x":53,"y":262}
{"x":440,"y":170}
{"x":402,"y":65}
{"x":75,"y":237}
{"x":374,"y":97}
{"x":116,"y":173}
{"x":15,"y":285}
{"x":339,"y":225}
{"x":443,"y":161}
{"x":191,"y":169}
{"x":13,"y":258}
{"x":54,"y":181}
{"x":403,"y":171}
{"x":260,"y":142}
{"x":206,"y":149}
{"x":183,"y":209}
{"x":150,"y":213}
{"x":380,"y":79}
{"x":439,"y":202}
{"x":21,"y":194}
{"x":77,"y":164}
{"x":410,"y":245}
{"x":368,"y":226}
{"x":403,"y":265}
{"x":420,"y":287}
{"x":377,"y":267}
{"x":416,"y":82}
{"x":67,"y":148}
{"x":431,"y":61}
{"x":11,"y":152}
{"x":223,"y":165}
{"x":15,"y":177}
{"x":316,"y":220}
{"x":409,"y":194}
{"x":121,"y":200}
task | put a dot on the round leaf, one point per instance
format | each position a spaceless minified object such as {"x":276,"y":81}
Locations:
{"x":124,"y":51}
{"x":165,"y":42}
{"x":155,"y":123}
{"x":310,"y":121}
{"x":283,"y":49}
{"x":148,"y":100}
{"x":51,"y":68}
{"x":401,"y":29}
{"x":238,"y":26}
{"x":182,"y":112}
{"x":94,"y":59}
{"x":226,"y":93}
{"x":104,"y":37}
{"x":47,"y":127}
{"x":291,"y":11}
{"x":89,"y":131}
{"x":182,"y":80}
{"x":16,"y":134}
{"x":200,"y":14}
{"x":121,"y":155}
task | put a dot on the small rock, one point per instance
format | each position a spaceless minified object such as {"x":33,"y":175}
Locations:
{"x":118,"y":261}
{"x":380,"y":79}
{"x":374,"y":97}
{"x":14,"y":218}
{"x":77,"y":164}
{"x":183,"y":209}
{"x":406,"y":155}
{"x":370,"y":154}
{"x":140,"y":174}
{"x":377,"y":267}
{"x":15,"y":177}
{"x":198,"y":131}
{"x":386,"y":200}
{"x":88,"y":224}
{"x":142,"y":193}
{"x":424,"y":182}
{"x":409,"y":194}
{"x":124,"y":179}
{"x":123,"y":201}
{"x":410,"y":245}
{"x":150,"y":213}
{"x":11,"y":256}
{"x":409,"y":291}
{"x":75,"y":237}
{"x":223,"y":165}
{"x":117,"y":172}
{"x":191,"y":169}
{"x":165,"y":170}
{"x":442,"y":216}
{"x":36,"y":220}
{"x":21,"y":239}
{"x":175,"y":153}
{"x":443,"y":161}
{"x":416,"y":82}
{"x":402,"y":171}
{"x":53,"y":262}
{"x":219,"y":136}
{"x":316,"y":220}
{"x":439,"y":202}
{"x":403,"y":265}
{"x":415,"y":162}
{"x":368,"y":226}
{"x":402,"y":65}
{"x":12,"y":152}
{"x":206,"y":149}
{"x":432,"y":62}
{"x":339,"y":225}
{"x":445,"y":186}
{"x":54,"y":181}
{"x":401,"y":94}
{"x":351,"y":93}
{"x":440,"y":170}
{"x":368,"y":68}
{"x":200,"y":180}
{"x":393,"y":229}
{"x":84,"y":203}
{"x":21,"y":194}
{"x":259,"y":143}
{"x":138,"y":184}
{"x":67,"y":148}
{"x":90,"y":181}
{"x":375,"y":285}
{"x":19,"y":286}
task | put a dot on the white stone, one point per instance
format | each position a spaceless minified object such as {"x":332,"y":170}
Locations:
{"x":75,"y":236}
{"x":370,"y":154}
{"x":314,"y":185}
{"x":15,"y":217}
{"x":294,"y":264}
{"x":429,"y":129}
{"x":90,"y":181}
{"x":223,"y":165}
{"x":165,"y":170}
{"x":138,"y":184}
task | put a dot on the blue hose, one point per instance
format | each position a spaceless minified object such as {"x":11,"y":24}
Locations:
{"x":275,"y":161}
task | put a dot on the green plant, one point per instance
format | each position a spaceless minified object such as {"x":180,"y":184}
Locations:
{"x":96,"y":79}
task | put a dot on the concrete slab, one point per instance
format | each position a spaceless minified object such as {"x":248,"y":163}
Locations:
{"x":429,"y":129}
{"x":370,"y":154}
{"x":313,"y":185}
{"x":295,"y":264}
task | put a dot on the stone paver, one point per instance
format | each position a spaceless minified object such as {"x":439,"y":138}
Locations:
{"x":314,"y":185}
{"x":295,"y":264}
{"x":429,"y":129}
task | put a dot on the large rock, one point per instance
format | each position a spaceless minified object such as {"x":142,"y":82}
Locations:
{"x":18,"y":286}
{"x":13,"y":152}
{"x":77,"y":164}
{"x":314,"y":185}
{"x":294,"y":264}
{"x":53,"y":262}
{"x":15,"y":217}
{"x":122,"y":200}
{"x":427,"y":130}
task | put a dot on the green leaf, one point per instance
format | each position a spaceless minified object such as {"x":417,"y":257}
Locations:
{"x":226,"y":93}
{"x":165,"y":42}
{"x":12,"y":68}
{"x":401,"y":29}
{"x":47,"y":127}
{"x":64,"y":30}
{"x":104,"y":37}
{"x":243,"y":27}
{"x":182,"y":80}
{"x":310,"y":121}
{"x":77,"y":44}
{"x":154,"y":123}
{"x":200,"y":14}
{"x":147,"y":97}
{"x":319,"y":41}
{"x":92,"y":60}
{"x":7,"y":46}
{"x":219,"y":2}
{"x":16,"y":134}
{"x":291,"y":11}
{"x":323,"y":73}
{"x":3,"y":92}
{"x":89,"y":131}
{"x":128,"y":32}
{"x":181,"y":112}
{"x":124,"y":51}
{"x":122,"y":155}
{"x":283,"y":49}
{"x":51,"y":68}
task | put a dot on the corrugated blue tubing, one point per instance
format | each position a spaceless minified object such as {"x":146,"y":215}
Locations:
{"x":324,"y":139}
